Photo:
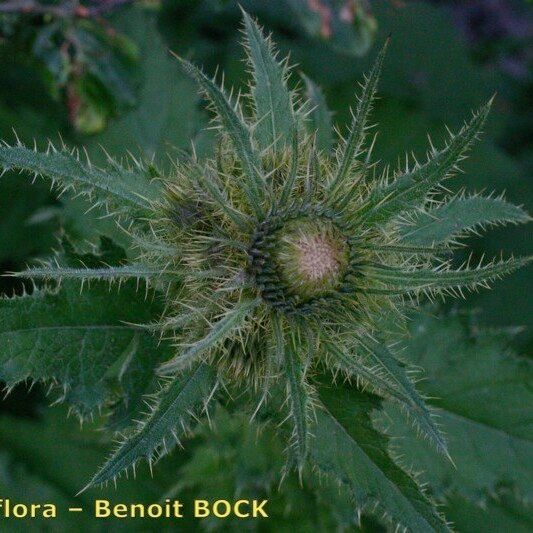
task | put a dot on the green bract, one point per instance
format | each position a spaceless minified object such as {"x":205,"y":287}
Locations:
{"x":277,"y":264}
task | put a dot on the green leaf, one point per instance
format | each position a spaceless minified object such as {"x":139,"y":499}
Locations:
{"x":484,"y":393}
{"x":43,"y":458}
{"x":320,"y":115}
{"x":409,"y":190}
{"x":72,"y":339}
{"x":351,"y":148}
{"x":106,"y":265}
{"x":238,"y":131}
{"x":422,"y":279}
{"x":502,"y":512}
{"x":459,"y":215}
{"x":346,"y":447}
{"x":137,"y":378}
{"x":296,"y":387}
{"x":177,"y":403}
{"x":403,"y":249}
{"x":122,"y":186}
{"x":112,"y":273}
{"x":208,"y":181}
{"x":271,"y":97}
{"x":219,"y":331}
{"x":288,"y":186}
{"x":379,"y":368}
{"x":240,"y":456}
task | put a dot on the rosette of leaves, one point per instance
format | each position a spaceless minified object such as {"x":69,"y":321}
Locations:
{"x":269,"y":271}
{"x":84,"y":62}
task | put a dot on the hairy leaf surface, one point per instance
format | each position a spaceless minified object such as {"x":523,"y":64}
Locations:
{"x":219,"y":331}
{"x":320,"y":115}
{"x":378,"y":367}
{"x":409,"y":190}
{"x":237,"y":131}
{"x":458,"y":216}
{"x":272,"y":99}
{"x":73,"y":339}
{"x":346,"y":447}
{"x":123,"y":186}
{"x":351,"y":148}
{"x":447,"y":278}
{"x":287,"y":351}
{"x":484,"y":393}
{"x":186,"y":394}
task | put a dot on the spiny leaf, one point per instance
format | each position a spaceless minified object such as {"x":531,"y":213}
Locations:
{"x":409,"y":190}
{"x":227,"y":325}
{"x":272,"y":99}
{"x":236,"y":452}
{"x":122,"y":186}
{"x":382,"y":360}
{"x":43,"y":458}
{"x":177,"y":402}
{"x":73,"y":339}
{"x":111,"y":273}
{"x":407,"y":249}
{"x":384,"y":374}
{"x":484,"y":394}
{"x":254,"y":186}
{"x":137,"y":378}
{"x":352,"y":147}
{"x":346,"y":447}
{"x":208,"y":181}
{"x":106,"y":263}
{"x":298,"y":398}
{"x":458,"y":215}
{"x":293,"y":169}
{"x":319,"y":116}
{"x":446,"y":279}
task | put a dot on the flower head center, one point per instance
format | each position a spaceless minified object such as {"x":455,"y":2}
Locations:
{"x":298,"y":260}
{"x":318,"y":257}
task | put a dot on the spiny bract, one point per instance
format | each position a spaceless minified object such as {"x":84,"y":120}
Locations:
{"x":277,"y":258}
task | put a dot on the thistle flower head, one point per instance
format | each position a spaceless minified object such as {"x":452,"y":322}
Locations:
{"x":277,"y":259}
{"x":290,"y":256}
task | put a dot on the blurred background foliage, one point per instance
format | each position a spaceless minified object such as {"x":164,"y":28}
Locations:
{"x":99,"y":74}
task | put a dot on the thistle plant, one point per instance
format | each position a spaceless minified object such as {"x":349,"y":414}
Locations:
{"x":273,"y":271}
